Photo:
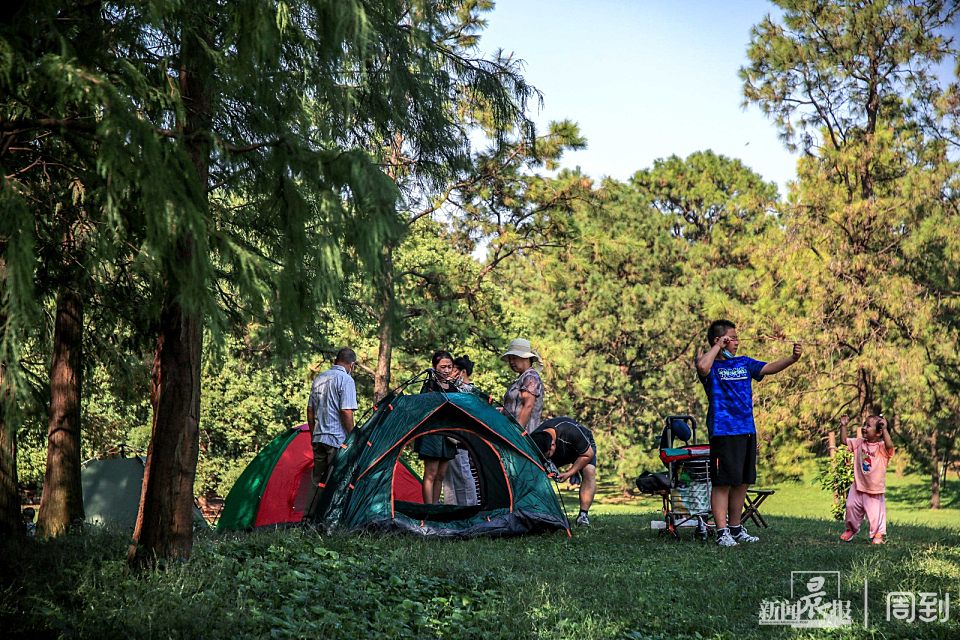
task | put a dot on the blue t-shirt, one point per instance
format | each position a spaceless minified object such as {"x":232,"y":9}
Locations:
{"x":729,"y":387}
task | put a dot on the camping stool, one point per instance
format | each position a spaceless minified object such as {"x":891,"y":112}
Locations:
{"x":751,"y":508}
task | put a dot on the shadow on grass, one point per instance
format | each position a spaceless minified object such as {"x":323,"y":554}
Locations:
{"x":616,"y":579}
{"x":915,"y":496}
{"x":646,"y":584}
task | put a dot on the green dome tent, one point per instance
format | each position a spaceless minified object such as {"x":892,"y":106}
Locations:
{"x":516,"y":496}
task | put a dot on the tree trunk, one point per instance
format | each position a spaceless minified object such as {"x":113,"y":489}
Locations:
{"x":934,"y":470}
{"x":10,"y":519}
{"x":381,"y":382}
{"x":164,"y":528}
{"x":10,"y":524}
{"x":865,"y":393}
{"x":62,"y":500}
{"x":896,"y":429}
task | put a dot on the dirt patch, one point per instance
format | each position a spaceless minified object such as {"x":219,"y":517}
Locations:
{"x":210,"y":505}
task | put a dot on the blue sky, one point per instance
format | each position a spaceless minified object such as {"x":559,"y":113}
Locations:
{"x":645,"y":79}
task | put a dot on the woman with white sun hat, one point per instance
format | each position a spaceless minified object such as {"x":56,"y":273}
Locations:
{"x":524,"y":398}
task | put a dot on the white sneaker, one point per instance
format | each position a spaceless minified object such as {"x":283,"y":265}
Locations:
{"x":724,"y":539}
{"x":743,"y":536}
{"x":583,"y":520}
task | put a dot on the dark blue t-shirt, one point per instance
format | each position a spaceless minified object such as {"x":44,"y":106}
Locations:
{"x":729,"y":387}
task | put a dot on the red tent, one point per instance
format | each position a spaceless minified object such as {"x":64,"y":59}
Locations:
{"x":276,"y":487}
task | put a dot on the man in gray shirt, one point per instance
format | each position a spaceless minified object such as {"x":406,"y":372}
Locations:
{"x":333,"y":399}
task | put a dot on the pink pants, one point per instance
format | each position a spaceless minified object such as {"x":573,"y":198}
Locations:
{"x":871,"y":505}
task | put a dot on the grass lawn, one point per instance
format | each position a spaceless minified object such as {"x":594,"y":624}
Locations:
{"x":617,"y":579}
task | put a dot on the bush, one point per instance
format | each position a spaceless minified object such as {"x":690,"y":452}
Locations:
{"x":836,"y":476}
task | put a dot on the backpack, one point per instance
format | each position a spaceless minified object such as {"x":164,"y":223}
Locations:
{"x":653,"y":482}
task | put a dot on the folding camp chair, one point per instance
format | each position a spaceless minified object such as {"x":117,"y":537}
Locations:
{"x":751,"y":506}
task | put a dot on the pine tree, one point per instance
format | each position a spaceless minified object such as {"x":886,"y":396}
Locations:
{"x":624,"y":300}
{"x":500,"y":201}
{"x":46,"y":171}
{"x":486,"y":97}
{"x":854,"y":85}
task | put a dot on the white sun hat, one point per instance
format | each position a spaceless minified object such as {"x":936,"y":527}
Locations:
{"x":520,"y":348}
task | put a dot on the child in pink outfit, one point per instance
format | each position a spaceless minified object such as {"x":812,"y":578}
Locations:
{"x":871,"y":453}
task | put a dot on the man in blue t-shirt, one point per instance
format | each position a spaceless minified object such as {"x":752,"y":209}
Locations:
{"x":728,"y":380}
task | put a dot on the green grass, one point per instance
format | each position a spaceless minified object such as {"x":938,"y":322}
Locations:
{"x":617,"y":579}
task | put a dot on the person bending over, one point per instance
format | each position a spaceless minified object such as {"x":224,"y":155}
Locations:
{"x":564,"y":441}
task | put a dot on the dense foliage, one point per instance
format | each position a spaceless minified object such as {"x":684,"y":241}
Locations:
{"x":225,"y":161}
{"x":382,"y":188}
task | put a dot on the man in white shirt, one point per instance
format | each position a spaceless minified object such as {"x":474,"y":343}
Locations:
{"x":333,"y":399}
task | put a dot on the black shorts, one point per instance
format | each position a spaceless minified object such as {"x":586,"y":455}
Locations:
{"x":733,"y":460}
{"x":323,"y":457}
{"x":434,"y":447}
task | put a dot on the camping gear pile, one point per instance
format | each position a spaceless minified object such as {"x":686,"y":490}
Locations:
{"x":685,"y":489}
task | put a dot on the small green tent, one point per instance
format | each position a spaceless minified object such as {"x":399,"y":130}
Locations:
{"x":516,"y":495}
{"x":111,"y":492}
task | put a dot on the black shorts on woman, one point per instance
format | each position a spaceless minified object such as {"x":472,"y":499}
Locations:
{"x":733,"y":460}
{"x":435,"y":447}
